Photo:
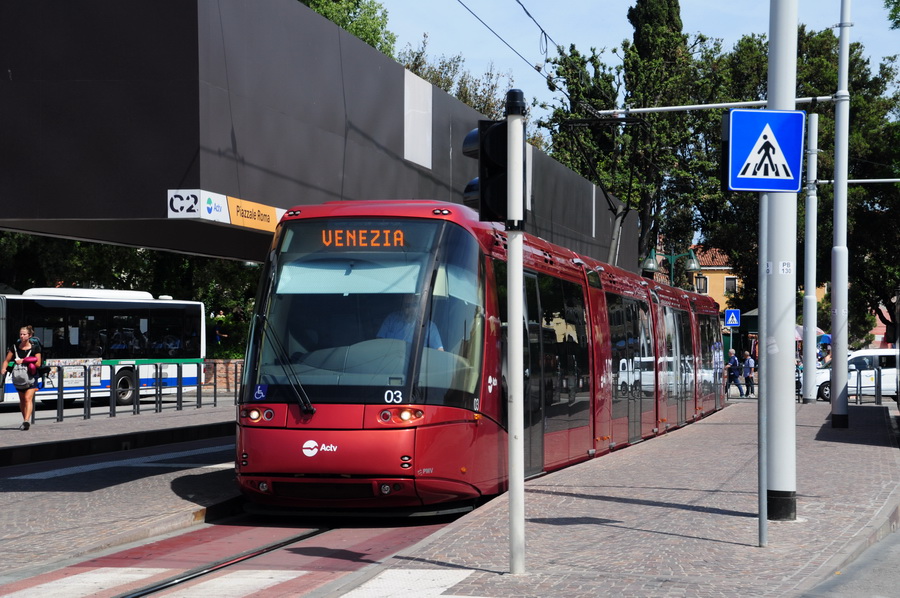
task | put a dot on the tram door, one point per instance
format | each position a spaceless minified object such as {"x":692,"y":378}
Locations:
{"x":537,"y":377}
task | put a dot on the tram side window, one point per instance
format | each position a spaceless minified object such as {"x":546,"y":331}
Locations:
{"x":563,"y":314}
{"x":618,"y":339}
{"x":712,"y":356}
{"x":679,"y":369}
{"x":632,"y":351}
{"x":687,"y":357}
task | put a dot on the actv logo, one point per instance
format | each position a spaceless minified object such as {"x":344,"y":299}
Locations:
{"x":311,"y":448}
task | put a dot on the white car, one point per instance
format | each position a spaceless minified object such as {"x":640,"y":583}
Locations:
{"x":863,"y":363}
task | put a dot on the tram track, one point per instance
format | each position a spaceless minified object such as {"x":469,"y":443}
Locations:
{"x":203,"y":570}
{"x":236,"y":557}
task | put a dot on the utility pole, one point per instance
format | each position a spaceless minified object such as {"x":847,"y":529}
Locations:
{"x":781,"y":274}
{"x":840,"y":268}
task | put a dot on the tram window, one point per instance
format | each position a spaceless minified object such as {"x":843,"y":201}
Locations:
{"x":565,"y":349}
{"x":334,"y":289}
{"x":712,"y":356}
{"x":632,"y":349}
{"x":679,"y":371}
{"x":346,"y":275}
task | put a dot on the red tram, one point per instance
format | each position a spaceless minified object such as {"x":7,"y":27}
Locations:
{"x":375,"y":375}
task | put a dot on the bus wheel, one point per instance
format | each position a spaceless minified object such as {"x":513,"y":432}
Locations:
{"x":124,"y":387}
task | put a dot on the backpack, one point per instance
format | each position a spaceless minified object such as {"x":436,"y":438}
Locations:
{"x":21,"y":379}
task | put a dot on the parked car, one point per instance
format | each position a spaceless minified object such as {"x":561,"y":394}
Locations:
{"x":863,"y":363}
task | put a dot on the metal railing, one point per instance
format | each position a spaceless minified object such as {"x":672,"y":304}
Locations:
{"x":860,"y":390}
{"x":163,"y":396}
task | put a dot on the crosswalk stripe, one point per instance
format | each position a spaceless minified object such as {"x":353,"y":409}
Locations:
{"x":237,"y":584}
{"x":88,"y":584}
{"x":423,"y":583}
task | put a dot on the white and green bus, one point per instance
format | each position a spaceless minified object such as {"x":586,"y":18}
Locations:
{"x":119,"y":339}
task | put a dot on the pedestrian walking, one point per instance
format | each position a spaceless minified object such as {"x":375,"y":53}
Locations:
{"x":749,"y":367}
{"x":23,"y":359}
{"x":733,"y":371}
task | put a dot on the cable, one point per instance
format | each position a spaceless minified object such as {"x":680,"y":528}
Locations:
{"x":543,"y":31}
{"x":547,"y":77}
{"x":497,"y":35}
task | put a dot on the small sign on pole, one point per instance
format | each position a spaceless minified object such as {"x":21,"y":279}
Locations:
{"x":733,"y":317}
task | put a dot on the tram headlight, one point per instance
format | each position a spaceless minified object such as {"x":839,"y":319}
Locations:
{"x":400,"y":415}
{"x":255,"y":414}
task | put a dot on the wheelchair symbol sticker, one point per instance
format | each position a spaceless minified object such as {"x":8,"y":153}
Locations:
{"x":261,"y":391}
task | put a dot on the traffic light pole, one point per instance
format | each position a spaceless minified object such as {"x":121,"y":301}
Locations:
{"x":515,"y":203}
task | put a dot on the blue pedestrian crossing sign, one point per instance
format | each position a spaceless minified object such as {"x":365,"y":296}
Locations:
{"x":733,"y":317}
{"x":765,"y":150}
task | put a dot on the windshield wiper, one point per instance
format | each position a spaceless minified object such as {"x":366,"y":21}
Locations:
{"x":306,"y":405}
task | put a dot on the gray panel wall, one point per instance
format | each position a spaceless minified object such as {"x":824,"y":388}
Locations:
{"x":97,"y":105}
{"x":109,"y":103}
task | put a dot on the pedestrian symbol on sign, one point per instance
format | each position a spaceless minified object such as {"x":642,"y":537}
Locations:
{"x":766,"y":160}
{"x":732,"y":317}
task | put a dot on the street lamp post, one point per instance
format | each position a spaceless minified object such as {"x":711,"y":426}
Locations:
{"x":650,"y":264}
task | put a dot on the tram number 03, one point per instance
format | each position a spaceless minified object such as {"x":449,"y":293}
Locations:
{"x":393,"y":396}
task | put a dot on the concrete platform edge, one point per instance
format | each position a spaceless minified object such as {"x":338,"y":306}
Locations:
{"x":80,"y":447}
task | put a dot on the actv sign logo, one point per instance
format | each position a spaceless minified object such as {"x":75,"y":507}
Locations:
{"x":311,"y":448}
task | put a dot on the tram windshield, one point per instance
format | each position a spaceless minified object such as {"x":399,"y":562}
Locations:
{"x":370,"y":311}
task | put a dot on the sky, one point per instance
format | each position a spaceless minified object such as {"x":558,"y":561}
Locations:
{"x":452,"y":29}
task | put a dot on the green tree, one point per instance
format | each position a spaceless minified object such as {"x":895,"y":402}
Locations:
{"x":659,"y":71}
{"x":730,"y":222}
{"x":366,"y":19}
{"x":648,"y":161}
{"x":893,"y":7}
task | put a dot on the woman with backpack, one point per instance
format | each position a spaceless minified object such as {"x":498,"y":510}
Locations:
{"x":23,"y":359}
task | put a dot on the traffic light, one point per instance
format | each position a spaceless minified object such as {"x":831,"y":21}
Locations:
{"x":488,"y":144}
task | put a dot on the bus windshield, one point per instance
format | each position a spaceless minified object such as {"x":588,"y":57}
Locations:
{"x":368,"y":311}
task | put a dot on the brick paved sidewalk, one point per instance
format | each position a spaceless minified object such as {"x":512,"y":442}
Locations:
{"x":677,"y":515}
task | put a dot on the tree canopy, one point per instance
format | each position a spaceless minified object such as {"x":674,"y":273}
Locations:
{"x":667,"y":165}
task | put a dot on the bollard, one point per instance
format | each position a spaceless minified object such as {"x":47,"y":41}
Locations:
{"x":158,"y":371}
{"x":136,"y":393}
{"x":199,"y":386}
{"x":878,"y":385}
{"x":179,"y":398}
{"x":215,"y":381}
{"x":87,"y":392}
{"x":60,"y":384}
{"x":112,"y":391}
